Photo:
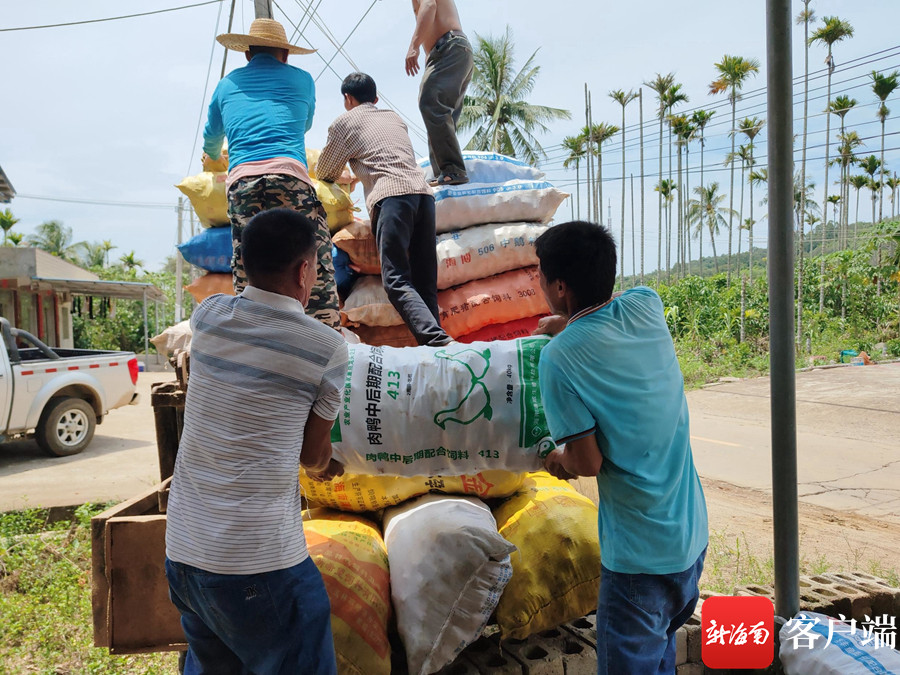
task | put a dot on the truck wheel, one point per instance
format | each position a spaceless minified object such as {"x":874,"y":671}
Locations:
{"x":66,"y":426}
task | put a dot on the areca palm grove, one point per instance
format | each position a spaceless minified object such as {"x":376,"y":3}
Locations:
{"x":733,"y":71}
{"x":883,"y":86}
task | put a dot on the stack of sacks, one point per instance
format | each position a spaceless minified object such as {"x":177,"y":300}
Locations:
{"x":367,"y":311}
{"x":211,"y":250}
{"x":487,"y":267}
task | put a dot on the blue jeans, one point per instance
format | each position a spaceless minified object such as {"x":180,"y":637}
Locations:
{"x":274,"y":622}
{"x":637,"y":616}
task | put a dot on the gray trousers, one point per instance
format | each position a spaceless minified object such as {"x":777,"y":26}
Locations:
{"x":448,"y":70}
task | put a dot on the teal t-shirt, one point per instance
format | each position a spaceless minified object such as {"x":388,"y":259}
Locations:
{"x":613,"y":372}
{"x":265,"y":110}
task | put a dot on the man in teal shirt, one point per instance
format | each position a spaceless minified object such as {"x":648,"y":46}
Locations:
{"x":614,"y":396}
{"x":265,"y":109}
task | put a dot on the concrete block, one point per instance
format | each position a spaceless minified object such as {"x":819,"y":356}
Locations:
{"x":885,"y":598}
{"x":461,"y":666}
{"x":681,"y":646}
{"x":854,"y":602}
{"x":486,"y":656}
{"x":690,"y":669}
{"x":694,"y":636}
{"x":584,"y":628}
{"x":551,"y":652}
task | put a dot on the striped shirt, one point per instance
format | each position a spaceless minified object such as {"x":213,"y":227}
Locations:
{"x":259,"y":365}
{"x":376,"y":143}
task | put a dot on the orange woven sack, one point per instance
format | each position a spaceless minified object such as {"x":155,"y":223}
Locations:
{"x":497,"y":299}
{"x":210,"y":284}
{"x":358,"y":242}
{"x":503,"y":331}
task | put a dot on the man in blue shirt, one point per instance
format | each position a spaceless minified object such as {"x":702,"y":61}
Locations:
{"x":264,"y":110}
{"x":614,"y":396}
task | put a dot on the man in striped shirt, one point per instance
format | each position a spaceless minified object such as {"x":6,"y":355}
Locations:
{"x":264,"y":391}
{"x":401,"y":206}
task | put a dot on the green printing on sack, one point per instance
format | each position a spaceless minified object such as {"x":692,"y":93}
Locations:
{"x":533,"y":428}
{"x":444,"y":416}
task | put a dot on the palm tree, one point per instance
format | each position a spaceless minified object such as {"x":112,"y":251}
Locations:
{"x":496,"y":107}
{"x":674,"y":96}
{"x":680,"y":125}
{"x":733,"y":73}
{"x":840,"y":106}
{"x":666,"y":190}
{"x":707,"y":211}
{"x":870,"y":166}
{"x":745,"y":154}
{"x":850,"y":141}
{"x":55,"y":238}
{"x":623,"y":99}
{"x":883,"y":86}
{"x":805,"y":16}
{"x":107,"y":247}
{"x":832,"y":31}
{"x":858,"y":181}
{"x":893,"y":183}
{"x":750,"y":127}
{"x":130,"y":261}
{"x":7,"y":221}
{"x":15,"y":238}
{"x":575,"y":146}
{"x":700,"y":119}
{"x":686,"y":133}
{"x":90,"y":254}
{"x":660,"y":84}
{"x":596,"y":136}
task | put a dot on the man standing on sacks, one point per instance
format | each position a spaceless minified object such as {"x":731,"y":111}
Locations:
{"x":264,"y":109}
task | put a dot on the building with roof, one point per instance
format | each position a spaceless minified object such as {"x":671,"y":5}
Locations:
{"x":7,"y":191}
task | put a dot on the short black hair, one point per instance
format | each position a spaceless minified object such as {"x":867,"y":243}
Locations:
{"x":361,"y":87}
{"x":277,"y":52}
{"x":584,"y":256}
{"x":274,"y":245}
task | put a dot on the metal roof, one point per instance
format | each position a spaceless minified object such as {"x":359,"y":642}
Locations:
{"x":7,"y":191}
{"x":126,"y":290}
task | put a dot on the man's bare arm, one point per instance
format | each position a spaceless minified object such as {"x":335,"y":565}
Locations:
{"x":580,"y":457}
{"x":315,"y":455}
{"x":426,"y":12}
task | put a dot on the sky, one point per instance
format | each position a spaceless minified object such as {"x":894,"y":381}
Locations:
{"x":99,"y":121}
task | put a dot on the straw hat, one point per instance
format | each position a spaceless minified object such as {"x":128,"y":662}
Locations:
{"x":263,"y":33}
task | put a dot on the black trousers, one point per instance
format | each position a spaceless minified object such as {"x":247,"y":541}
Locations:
{"x":405,"y":236}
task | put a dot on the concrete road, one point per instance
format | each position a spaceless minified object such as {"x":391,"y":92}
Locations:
{"x":848,"y":437}
{"x":848,"y":440}
{"x":119,"y":463}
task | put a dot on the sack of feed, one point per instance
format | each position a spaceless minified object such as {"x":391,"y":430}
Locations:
{"x":460,"y":206}
{"x":210,"y":284}
{"x":448,"y":568}
{"x":485,"y":250}
{"x":359,"y":243}
{"x":206,"y":191}
{"x":503,"y":331}
{"x":490,"y":167}
{"x":210,"y":250}
{"x":368,"y":304}
{"x":442,"y":411}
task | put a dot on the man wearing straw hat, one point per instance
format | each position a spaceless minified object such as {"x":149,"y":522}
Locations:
{"x":264,"y":109}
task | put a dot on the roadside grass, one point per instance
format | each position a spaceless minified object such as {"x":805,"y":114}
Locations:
{"x":731,"y":563}
{"x":45,"y":600}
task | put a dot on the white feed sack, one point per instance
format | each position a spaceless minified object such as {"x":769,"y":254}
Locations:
{"x":485,"y":250}
{"x":449,"y":566}
{"x":462,"y":206}
{"x":174,"y":338}
{"x":442,"y":411}
{"x":490,"y":167}
{"x":369,"y":305}
{"x":816,"y":644}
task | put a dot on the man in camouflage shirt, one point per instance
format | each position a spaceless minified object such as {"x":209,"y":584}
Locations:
{"x":264,"y":109}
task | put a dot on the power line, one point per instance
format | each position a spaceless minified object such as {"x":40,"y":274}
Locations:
{"x":95,"y":202}
{"x":110,"y":18}
{"x":212,"y":53}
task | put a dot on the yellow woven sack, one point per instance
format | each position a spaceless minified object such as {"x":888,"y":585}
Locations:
{"x":556,"y":573}
{"x":338,"y":205}
{"x":312,"y":158}
{"x":206,"y":191}
{"x":350,"y":553}
{"x":371,"y":493}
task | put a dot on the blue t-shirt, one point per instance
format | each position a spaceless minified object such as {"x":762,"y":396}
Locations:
{"x":614,"y":372}
{"x":264,"y":109}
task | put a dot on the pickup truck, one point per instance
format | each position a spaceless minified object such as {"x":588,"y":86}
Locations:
{"x":60,"y":394}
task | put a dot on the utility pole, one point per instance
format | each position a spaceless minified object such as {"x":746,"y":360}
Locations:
{"x":263,"y":9}
{"x":641,"y":112}
{"x":179,"y":267}
{"x":590,"y":157}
